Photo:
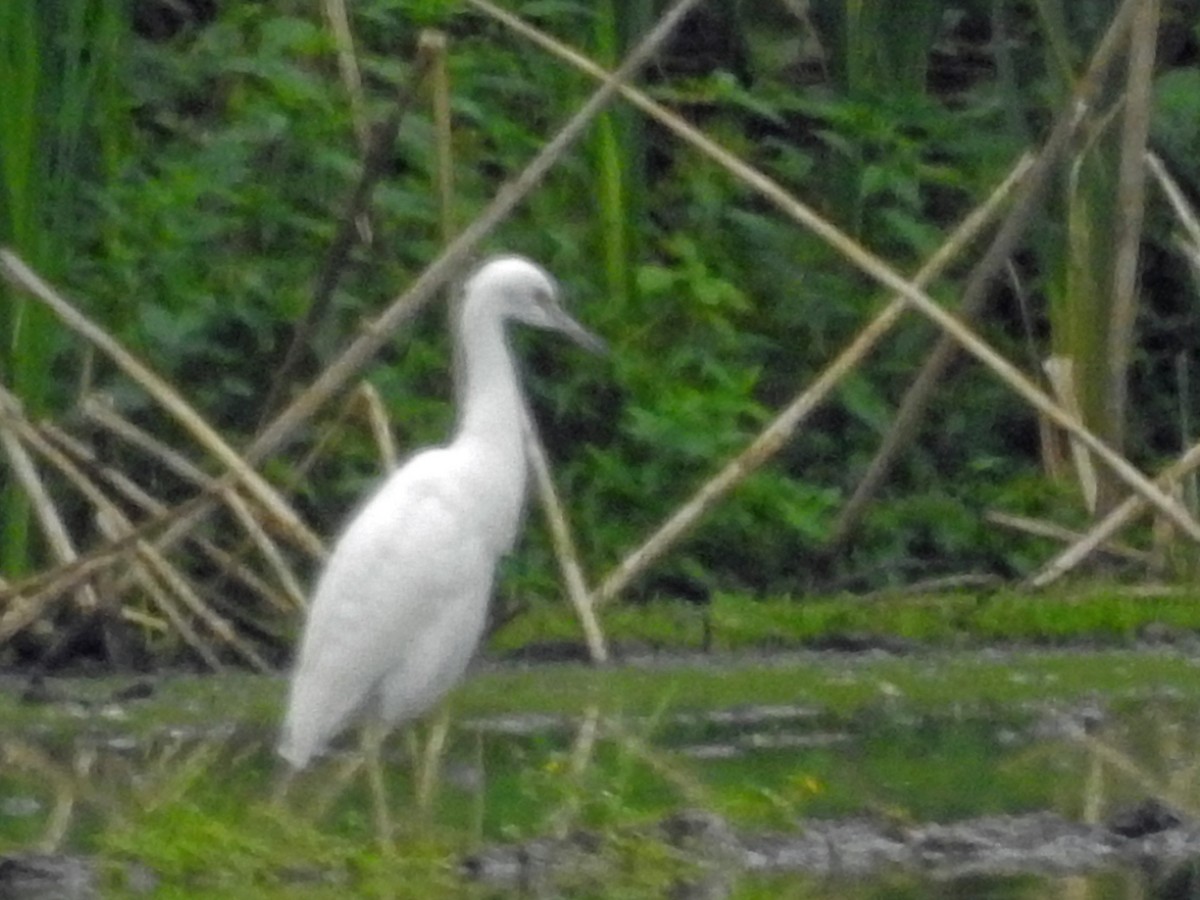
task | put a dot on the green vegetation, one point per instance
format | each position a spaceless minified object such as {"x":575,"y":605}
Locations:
{"x":179,"y":169}
{"x":221,"y":149}
{"x":180,"y":783}
{"x":64,"y":129}
{"x":922,"y":627}
{"x":1108,"y":615}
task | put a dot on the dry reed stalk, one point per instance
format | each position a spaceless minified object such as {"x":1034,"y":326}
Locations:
{"x":293,"y":591}
{"x":115,"y":523}
{"x":1006,"y":242}
{"x":188,"y":515}
{"x":1116,"y":519}
{"x":779,"y":431}
{"x":343,"y":39}
{"x":58,"y":537}
{"x":145,"y":620}
{"x":1131,"y":207}
{"x":377,"y":419}
{"x":456,"y":255}
{"x":105,"y":416}
{"x":1060,"y":373}
{"x":564,"y":544}
{"x":1191,"y":254}
{"x":135,"y":494}
{"x":1132,"y":506}
{"x":160,"y":597}
{"x":217,"y":624}
{"x":99,"y":410}
{"x":28,"y":281}
{"x":1038,"y":528}
{"x":1179,"y":203}
{"x":326,"y":435}
{"x":22,"y":611}
{"x":349,"y":231}
{"x":871,"y":264}
{"x":1131,"y":769}
{"x":19,"y":615}
{"x":565,"y":551}
{"x":1053,"y":463}
{"x":42,"y":587}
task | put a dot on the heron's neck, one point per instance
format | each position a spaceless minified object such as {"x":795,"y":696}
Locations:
{"x":490,"y":403}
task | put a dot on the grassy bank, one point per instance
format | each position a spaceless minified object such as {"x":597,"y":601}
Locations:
{"x":1103,"y":615}
{"x":837,"y":684}
{"x":171,"y":778}
{"x":177,"y":783}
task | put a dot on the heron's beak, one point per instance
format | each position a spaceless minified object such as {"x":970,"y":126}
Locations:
{"x":576,"y":332}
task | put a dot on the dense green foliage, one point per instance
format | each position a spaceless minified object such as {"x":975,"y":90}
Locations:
{"x":200,"y":244}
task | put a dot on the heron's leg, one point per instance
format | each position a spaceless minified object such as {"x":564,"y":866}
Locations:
{"x":480,"y":806}
{"x":431,"y":759}
{"x":335,"y":786}
{"x":373,"y":733}
{"x":412,"y":744}
{"x":582,"y":754}
{"x":283,"y":781}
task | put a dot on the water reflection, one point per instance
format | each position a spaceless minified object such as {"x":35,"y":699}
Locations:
{"x":754,"y":801}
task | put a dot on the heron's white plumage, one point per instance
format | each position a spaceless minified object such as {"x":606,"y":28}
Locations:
{"x":402,"y":602}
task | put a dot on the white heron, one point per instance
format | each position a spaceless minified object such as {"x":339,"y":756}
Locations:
{"x":402,"y":602}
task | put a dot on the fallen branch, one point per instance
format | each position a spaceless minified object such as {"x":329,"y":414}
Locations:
{"x":114,"y":523}
{"x":106,"y":417}
{"x":1118,"y":517}
{"x":1054,"y":532}
{"x":58,"y":538}
{"x":83,"y":455}
{"x":171,"y":400}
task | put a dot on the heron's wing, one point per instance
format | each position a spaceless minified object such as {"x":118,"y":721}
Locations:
{"x":413,"y":553}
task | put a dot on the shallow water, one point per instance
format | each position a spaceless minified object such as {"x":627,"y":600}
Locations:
{"x":587,"y":802}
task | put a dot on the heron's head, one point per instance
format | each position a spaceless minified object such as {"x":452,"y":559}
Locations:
{"x":524,"y":292}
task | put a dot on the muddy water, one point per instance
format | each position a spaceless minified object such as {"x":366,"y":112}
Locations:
{"x":1085,"y":800}
{"x":1081,"y":796}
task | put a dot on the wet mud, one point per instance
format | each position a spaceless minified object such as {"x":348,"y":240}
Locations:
{"x":1150,"y":838}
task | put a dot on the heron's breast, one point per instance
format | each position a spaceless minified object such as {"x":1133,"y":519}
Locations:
{"x":493,"y":487}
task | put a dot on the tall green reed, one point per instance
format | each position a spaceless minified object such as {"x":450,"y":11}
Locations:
{"x":879,"y":46}
{"x":63,"y":129}
{"x":1092,"y":288}
{"x":618,"y":152}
